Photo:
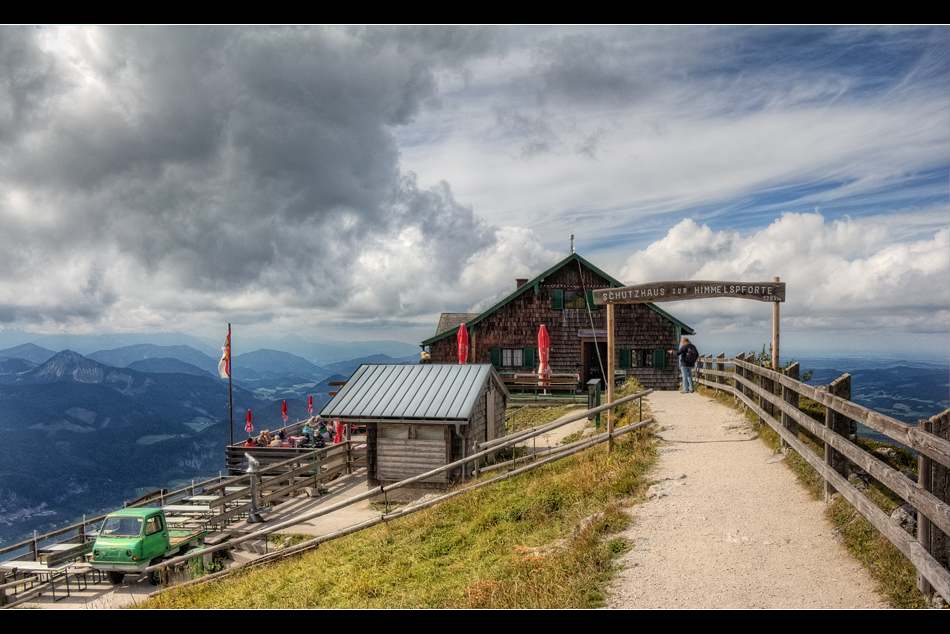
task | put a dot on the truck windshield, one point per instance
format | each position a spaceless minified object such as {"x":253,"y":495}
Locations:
{"x":121,"y":527}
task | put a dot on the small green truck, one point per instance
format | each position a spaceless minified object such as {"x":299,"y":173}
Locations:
{"x":133,"y":539}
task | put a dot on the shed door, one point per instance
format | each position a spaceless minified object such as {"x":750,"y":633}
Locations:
{"x":407,"y":450}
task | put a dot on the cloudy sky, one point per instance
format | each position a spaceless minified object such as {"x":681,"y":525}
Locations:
{"x":354,"y":182}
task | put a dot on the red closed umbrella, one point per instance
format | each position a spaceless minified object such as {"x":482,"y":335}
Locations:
{"x":283,"y":411}
{"x":544,"y":343}
{"x":463,"y":344}
{"x":310,"y":408}
{"x":249,"y":427}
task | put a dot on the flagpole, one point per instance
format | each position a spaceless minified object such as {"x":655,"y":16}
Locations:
{"x":230,"y":394}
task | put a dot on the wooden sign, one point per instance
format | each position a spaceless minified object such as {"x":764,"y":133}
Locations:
{"x":701,"y":289}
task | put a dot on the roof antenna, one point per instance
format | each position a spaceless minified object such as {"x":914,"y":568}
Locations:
{"x":572,"y":243}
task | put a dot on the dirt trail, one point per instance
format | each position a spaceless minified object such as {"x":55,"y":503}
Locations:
{"x":728,"y":526}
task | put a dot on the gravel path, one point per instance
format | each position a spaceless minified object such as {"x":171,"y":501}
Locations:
{"x":728,"y":526}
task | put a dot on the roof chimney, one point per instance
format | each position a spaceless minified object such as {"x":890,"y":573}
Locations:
{"x":520,"y":281}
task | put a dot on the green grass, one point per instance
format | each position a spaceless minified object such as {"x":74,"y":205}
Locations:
{"x":506,"y":545}
{"x":528,"y":417}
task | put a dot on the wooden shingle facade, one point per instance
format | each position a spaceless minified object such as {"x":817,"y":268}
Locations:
{"x":506,"y":335}
{"x":421,"y":417}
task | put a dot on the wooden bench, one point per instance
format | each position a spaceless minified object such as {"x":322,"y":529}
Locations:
{"x":535,"y":383}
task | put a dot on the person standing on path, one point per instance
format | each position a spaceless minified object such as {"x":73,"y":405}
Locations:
{"x":688,"y":355}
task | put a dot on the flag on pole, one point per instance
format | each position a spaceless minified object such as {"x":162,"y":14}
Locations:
{"x":283,"y":411}
{"x":310,"y":408}
{"x":224,"y":366}
{"x":249,"y":427}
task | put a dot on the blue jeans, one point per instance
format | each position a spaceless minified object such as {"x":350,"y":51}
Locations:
{"x":687,"y":373}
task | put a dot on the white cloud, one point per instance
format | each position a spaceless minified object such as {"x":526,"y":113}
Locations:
{"x":843,"y":274}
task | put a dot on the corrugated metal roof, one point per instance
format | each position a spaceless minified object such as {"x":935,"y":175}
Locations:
{"x":420,"y":392}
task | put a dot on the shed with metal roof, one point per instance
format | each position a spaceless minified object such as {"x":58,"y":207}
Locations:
{"x":420,"y":417}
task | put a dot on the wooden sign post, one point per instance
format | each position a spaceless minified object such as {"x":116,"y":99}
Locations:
{"x":655,"y":292}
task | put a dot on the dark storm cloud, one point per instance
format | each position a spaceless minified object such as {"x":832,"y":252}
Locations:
{"x":248,"y":159}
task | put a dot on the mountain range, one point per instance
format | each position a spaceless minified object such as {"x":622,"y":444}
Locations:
{"x":86,"y":433}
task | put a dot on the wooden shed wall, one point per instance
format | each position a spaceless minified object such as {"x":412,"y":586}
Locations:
{"x":516,"y":325}
{"x":390,"y":460}
{"x":399,"y":459}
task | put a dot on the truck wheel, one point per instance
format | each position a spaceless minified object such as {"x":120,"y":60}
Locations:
{"x":155,"y":577}
{"x":115,"y":577}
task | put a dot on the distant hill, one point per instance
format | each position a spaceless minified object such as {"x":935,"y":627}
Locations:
{"x":126,"y":355}
{"x":11,"y":368}
{"x":87,"y":344}
{"x":347,"y":368}
{"x":165,"y":365}
{"x":324,"y":351}
{"x":316,"y":350}
{"x":28,"y":351}
{"x":262,"y":364}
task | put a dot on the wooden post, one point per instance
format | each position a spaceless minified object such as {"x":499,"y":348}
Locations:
{"x":610,"y":375}
{"x":740,"y":373}
{"x":768,"y":386}
{"x":837,"y":424}
{"x":790,"y":396}
{"x":935,"y":478}
{"x":923,"y":524}
{"x":775,"y":363}
{"x":720,"y":367}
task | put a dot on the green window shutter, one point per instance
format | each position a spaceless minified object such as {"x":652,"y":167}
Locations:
{"x":590,"y":299}
{"x":557,"y":299}
{"x":659,"y":359}
{"x":496,"y":357}
{"x":625,"y":358}
{"x":528,"y":357}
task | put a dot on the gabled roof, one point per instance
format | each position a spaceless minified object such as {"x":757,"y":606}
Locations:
{"x":452,"y":321}
{"x":535,"y":282}
{"x":436,"y":392}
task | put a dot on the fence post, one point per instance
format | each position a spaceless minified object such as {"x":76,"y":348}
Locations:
{"x":741,"y":373}
{"x":764,"y":403}
{"x":837,"y":424}
{"x":720,"y":367}
{"x":790,"y":396}
{"x":933,"y":477}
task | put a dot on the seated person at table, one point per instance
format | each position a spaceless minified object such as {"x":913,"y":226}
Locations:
{"x":265,"y":439}
{"x":308,"y":431}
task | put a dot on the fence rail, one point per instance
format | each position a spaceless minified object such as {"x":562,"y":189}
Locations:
{"x":774,"y":397}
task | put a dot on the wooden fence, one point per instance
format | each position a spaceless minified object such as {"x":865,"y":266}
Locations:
{"x":774,"y":397}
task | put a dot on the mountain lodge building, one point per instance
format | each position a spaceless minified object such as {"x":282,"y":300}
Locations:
{"x":506,"y":335}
